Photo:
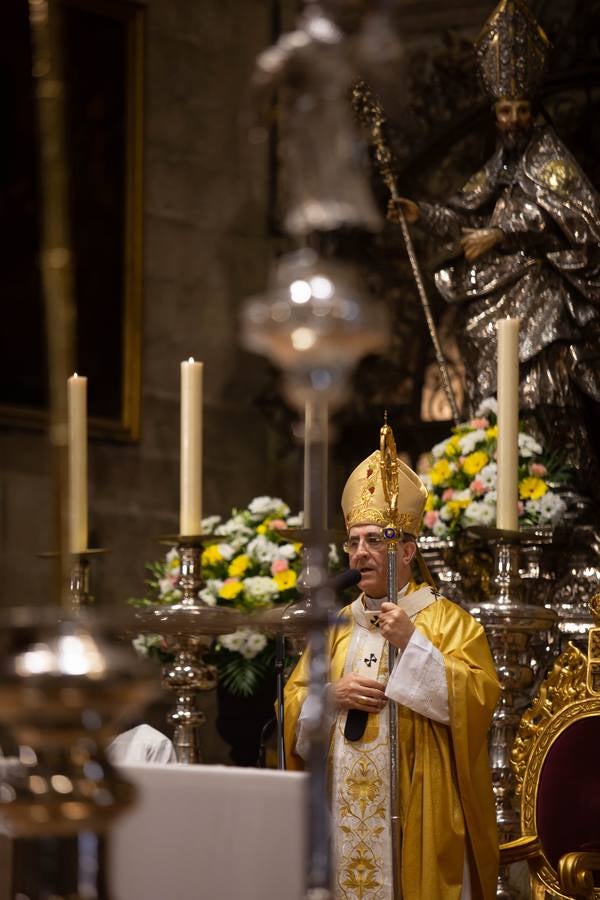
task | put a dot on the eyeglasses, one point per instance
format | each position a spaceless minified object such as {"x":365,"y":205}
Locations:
{"x":371,"y":542}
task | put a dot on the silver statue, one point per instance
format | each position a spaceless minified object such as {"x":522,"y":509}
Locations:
{"x":324,"y":179}
{"x":524,"y":241}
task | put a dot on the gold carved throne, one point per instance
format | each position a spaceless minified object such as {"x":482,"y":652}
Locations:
{"x":556,"y":760}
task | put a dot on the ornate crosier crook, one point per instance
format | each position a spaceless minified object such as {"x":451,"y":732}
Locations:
{"x":388,"y":461}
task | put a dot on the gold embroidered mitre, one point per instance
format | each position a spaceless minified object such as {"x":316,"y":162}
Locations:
{"x":512,"y":52}
{"x":364,"y":503}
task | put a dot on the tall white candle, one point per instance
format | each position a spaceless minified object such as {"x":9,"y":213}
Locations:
{"x":78,"y":489}
{"x":508,"y":424}
{"x":190,"y":487}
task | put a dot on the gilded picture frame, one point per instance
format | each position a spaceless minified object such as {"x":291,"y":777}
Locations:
{"x":102,"y":52}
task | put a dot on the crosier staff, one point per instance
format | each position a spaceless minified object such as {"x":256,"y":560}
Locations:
{"x":392,"y":534}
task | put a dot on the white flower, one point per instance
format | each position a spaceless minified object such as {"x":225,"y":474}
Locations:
{"x":295,"y":521}
{"x":143,"y":643}
{"x":491,"y":497}
{"x":528,"y":446}
{"x":265,"y":506}
{"x":439,"y":449}
{"x":480,"y":514}
{"x":440,"y":529}
{"x":489,"y":475}
{"x":260,"y":588}
{"x":208,"y":597}
{"x":489,"y":405}
{"x":446,"y":513}
{"x":552,"y":508}
{"x":166,"y":586}
{"x":209,"y":524}
{"x":244,"y":641}
{"x":226,"y":551}
{"x":253,"y":644}
{"x":469,"y":441}
{"x":333,"y":557}
{"x":232,"y":641}
{"x":213,"y":586}
{"x":262,"y":549}
{"x":172,"y":558}
{"x":426,"y":479}
{"x":287,"y":551}
{"x":462,"y":495}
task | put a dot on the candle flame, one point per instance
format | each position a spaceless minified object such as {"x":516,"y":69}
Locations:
{"x":191,"y":359}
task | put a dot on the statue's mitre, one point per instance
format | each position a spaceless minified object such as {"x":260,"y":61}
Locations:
{"x":364,"y":501}
{"x":512,"y":52}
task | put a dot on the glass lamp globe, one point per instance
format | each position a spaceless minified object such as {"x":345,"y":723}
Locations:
{"x":315,"y":324}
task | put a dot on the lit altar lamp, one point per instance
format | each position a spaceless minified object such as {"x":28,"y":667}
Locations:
{"x":315,"y":325}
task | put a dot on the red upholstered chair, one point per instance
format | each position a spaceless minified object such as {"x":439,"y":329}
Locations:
{"x":556,"y":760}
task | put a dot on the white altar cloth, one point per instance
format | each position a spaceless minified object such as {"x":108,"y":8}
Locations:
{"x":210,"y":833}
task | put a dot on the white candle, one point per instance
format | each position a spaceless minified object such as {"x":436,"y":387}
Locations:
{"x":508,"y":424}
{"x":78,"y":495}
{"x":190,"y":493}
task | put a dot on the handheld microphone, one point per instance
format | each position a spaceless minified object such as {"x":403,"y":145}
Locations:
{"x":341,"y":581}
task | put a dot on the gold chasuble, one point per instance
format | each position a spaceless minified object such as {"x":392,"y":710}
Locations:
{"x":446,"y":803}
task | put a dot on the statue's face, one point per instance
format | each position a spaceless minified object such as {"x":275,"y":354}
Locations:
{"x":514,"y":121}
{"x":513,"y":115}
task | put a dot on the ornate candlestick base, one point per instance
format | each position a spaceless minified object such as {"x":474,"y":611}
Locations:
{"x":519,"y":635}
{"x":188,"y":628}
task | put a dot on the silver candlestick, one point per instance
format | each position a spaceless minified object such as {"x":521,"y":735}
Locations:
{"x":188,"y":628}
{"x":516,"y":630}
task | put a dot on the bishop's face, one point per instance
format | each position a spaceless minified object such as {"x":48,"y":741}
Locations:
{"x":367,"y":552}
{"x":514,"y":121}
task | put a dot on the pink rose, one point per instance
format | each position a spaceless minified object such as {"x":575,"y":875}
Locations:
{"x":431,"y":517}
{"x":538,"y":470}
{"x":279,"y":565}
{"x":477,"y":487}
{"x":448,"y":494}
{"x":480,"y":423}
{"x":520,"y":508}
{"x":277,"y":523}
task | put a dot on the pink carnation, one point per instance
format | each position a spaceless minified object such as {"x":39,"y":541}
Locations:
{"x":431,"y":517}
{"x":277,"y":523}
{"x":448,"y":494}
{"x":480,"y":423}
{"x":279,"y":565}
{"x":477,"y":487}
{"x":538,"y":470}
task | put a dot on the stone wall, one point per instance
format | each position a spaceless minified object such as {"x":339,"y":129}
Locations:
{"x":206,"y":248}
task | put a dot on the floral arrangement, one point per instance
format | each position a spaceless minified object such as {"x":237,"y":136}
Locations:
{"x":462,"y":479}
{"x":251,"y":566}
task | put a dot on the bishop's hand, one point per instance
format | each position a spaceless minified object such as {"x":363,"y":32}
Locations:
{"x":354,"y":691}
{"x":395,"y":626}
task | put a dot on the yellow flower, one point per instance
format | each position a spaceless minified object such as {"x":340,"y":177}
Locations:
{"x":211,"y":556}
{"x":297,"y":546}
{"x":230,"y":589}
{"x":491,"y":432}
{"x":261,"y":529}
{"x":532,"y":488}
{"x":429,"y":502}
{"x":456,"y":506}
{"x":238,"y":565}
{"x":285,"y":580}
{"x":475,"y":462}
{"x":453,"y":446}
{"x":440,"y":471}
